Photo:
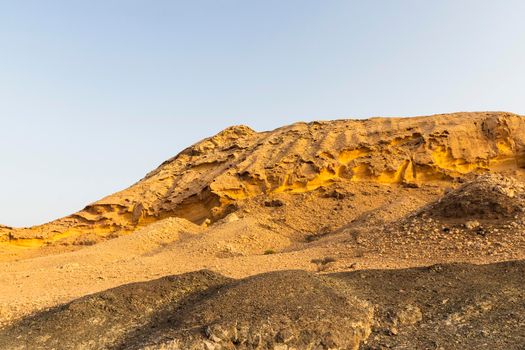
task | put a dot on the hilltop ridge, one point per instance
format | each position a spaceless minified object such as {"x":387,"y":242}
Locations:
{"x":205,"y":181}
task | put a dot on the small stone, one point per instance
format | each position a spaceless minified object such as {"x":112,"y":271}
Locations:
{"x":472,"y":224}
{"x":409,"y":315}
{"x":231,"y":218}
{"x":393,"y":330}
{"x":274,"y":203}
{"x":284,"y":336}
{"x":208,"y":345}
{"x":411,"y":185}
{"x":336,"y":194}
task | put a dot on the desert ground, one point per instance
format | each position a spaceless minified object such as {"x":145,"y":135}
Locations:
{"x":384,"y":233}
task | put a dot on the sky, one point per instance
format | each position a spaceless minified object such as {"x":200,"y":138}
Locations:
{"x":96,"y":93}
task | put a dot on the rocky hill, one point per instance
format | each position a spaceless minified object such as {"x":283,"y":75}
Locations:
{"x":321,"y":235}
{"x":208,"y":180}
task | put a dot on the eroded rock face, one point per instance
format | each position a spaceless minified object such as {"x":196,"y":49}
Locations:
{"x":204,"y":182}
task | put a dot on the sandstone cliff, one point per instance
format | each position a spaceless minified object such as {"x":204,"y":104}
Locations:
{"x":205,"y":181}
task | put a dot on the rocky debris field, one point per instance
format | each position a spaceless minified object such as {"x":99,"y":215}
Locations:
{"x":203,"y":310}
{"x":456,"y":306}
{"x":483,"y":218}
{"x":445,"y":306}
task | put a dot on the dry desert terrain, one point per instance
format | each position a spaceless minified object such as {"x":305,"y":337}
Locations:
{"x":384,"y":233}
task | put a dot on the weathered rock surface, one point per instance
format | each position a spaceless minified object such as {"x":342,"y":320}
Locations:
{"x":326,"y":196}
{"x":203,"y":310}
{"x":491,"y":207}
{"x":458,"y":306}
{"x":488,"y":197}
{"x":205,"y":182}
{"x":447,"y":307}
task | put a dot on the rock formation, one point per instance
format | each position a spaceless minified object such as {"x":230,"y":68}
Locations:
{"x":204,"y":182}
{"x":402,"y":233}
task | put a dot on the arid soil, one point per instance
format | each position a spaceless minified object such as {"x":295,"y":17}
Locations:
{"x":455,"y":306}
{"x":364,"y":207}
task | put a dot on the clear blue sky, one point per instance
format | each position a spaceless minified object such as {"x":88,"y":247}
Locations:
{"x":95,"y":93}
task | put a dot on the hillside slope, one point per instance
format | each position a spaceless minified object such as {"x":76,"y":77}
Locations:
{"x":323,"y":197}
{"x":208,"y":180}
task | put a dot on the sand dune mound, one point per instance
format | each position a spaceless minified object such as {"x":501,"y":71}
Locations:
{"x":458,"y":306}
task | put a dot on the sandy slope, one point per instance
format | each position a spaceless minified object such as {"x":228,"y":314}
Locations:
{"x":388,"y":235}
